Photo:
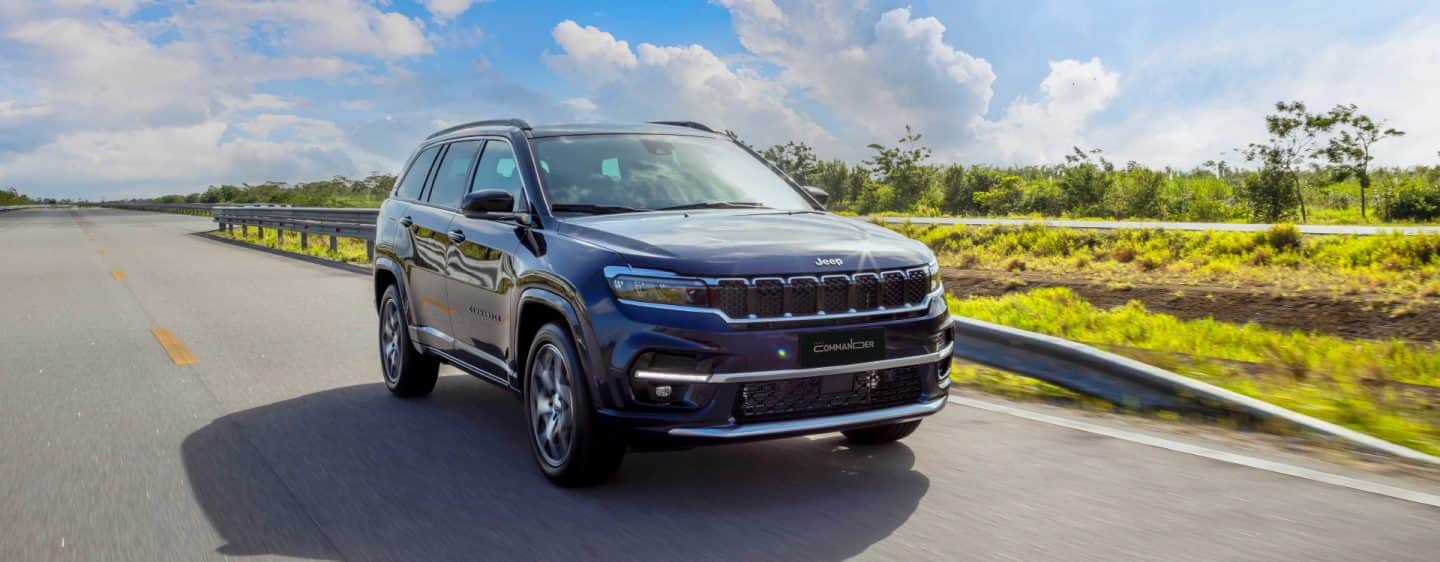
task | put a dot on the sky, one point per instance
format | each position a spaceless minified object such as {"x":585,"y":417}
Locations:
{"x":135,"y":98}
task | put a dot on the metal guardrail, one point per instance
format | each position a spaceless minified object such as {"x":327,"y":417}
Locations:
{"x":196,"y":209}
{"x":18,"y":207}
{"x":1312,"y":229}
{"x":1075,"y":366}
{"x":331,"y":222}
{"x":1127,"y":382}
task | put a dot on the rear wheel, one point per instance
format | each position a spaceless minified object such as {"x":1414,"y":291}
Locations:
{"x":567,"y":443}
{"x":881,"y":433}
{"x":408,"y":373}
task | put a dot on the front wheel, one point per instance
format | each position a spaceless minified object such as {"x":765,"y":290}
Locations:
{"x":567,"y":443}
{"x":881,"y":433}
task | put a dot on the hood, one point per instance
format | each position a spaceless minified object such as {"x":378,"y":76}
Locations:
{"x":720,"y":243}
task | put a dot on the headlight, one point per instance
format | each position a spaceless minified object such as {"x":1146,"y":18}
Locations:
{"x":663,"y":290}
{"x":934,"y":269}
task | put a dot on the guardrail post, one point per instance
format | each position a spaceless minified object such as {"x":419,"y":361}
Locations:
{"x":304,"y":240}
{"x":244,"y":231}
{"x":369,"y":250}
{"x":334,"y":244}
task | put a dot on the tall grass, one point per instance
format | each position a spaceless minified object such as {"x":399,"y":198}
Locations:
{"x":350,"y":250}
{"x":1390,"y":389}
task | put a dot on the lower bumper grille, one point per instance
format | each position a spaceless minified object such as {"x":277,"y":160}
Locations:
{"x":829,"y":395}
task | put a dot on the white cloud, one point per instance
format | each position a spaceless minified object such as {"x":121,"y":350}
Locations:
{"x":1045,"y":130}
{"x":676,"y":82}
{"x":880,"y":73}
{"x":448,"y":9}
{"x":311,"y":27}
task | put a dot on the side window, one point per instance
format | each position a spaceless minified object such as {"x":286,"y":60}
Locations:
{"x":415,"y":177}
{"x":449,"y":186}
{"x":497,"y":170}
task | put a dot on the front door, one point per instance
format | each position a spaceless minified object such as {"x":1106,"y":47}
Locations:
{"x":481,"y":267}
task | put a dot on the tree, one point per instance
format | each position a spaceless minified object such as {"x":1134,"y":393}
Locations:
{"x":1084,"y":181}
{"x":902,"y":167}
{"x":796,"y":159}
{"x":1350,"y":151}
{"x":1293,"y":136}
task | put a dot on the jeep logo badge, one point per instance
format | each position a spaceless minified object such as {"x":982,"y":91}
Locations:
{"x":822,"y":262}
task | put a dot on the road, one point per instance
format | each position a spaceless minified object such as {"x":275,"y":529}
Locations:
{"x":272,"y":437}
{"x":1356,"y":230}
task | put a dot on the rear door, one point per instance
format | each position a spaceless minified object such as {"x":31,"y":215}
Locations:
{"x":422,"y":263}
{"x":482,"y":268}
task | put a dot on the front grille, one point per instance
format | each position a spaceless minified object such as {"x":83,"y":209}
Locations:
{"x":773,"y":297}
{"x":815,"y":396}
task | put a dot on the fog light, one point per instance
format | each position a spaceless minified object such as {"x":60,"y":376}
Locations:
{"x":662,"y":392}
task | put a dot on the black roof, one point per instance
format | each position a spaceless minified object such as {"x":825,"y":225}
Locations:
{"x":560,"y":129}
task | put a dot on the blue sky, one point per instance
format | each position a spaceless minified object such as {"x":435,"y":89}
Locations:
{"x":120,"y":98}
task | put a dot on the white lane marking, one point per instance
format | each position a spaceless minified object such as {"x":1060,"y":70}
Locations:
{"x":1212,"y":454}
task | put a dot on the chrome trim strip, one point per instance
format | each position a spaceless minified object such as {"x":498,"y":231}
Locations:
{"x":781,"y":374}
{"x":896,"y":414}
{"x":924,"y":304}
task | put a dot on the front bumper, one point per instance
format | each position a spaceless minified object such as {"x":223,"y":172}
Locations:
{"x":804,"y":426}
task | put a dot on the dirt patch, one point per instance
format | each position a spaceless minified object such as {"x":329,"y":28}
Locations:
{"x":1348,"y":316}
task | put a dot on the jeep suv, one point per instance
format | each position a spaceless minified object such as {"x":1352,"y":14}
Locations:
{"x":651,"y":286}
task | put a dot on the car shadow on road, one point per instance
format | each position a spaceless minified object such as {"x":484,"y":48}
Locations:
{"x":356,"y":474}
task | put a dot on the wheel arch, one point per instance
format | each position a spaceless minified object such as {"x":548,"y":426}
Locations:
{"x":538,"y":306}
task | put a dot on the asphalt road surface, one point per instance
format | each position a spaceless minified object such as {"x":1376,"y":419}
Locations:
{"x":263,"y":431}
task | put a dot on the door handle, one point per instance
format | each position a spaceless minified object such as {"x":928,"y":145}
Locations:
{"x":406,"y":222}
{"x":456,"y":236}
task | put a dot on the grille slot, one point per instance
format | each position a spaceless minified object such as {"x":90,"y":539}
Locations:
{"x":731,"y":297}
{"x":803,"y":398}
{"x":769,"y":297}
{"x":916,"y":285}
{"x":803,"y":294}
{"x":892,"y":289}
{"x":837,"y":294}
{"x":867,"y":291}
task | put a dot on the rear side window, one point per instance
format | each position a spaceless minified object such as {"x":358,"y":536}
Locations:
{"x":497,"y":170}
{"x":450,"y":177}
{"x":415,"y":177}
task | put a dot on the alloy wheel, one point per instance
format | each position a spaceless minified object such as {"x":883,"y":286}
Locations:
{"x":552,"y":405}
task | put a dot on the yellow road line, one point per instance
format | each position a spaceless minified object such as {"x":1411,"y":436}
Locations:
{"x":117,"y":274}
{"x":174,"y":347}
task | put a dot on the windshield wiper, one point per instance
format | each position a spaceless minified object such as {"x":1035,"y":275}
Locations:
{"x":592,"y":209}
{"x":715,"y":205}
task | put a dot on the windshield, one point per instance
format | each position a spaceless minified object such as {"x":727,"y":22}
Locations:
{"x":634,"y":172}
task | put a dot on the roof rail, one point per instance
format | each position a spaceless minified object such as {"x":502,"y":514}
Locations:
{"x":690,"y":124}
{"x":517,"y":123}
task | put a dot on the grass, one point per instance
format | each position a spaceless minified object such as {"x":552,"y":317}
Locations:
{"x":1389,"y":389}
{"x":350,"y":250}
{"x":1396,"y":265}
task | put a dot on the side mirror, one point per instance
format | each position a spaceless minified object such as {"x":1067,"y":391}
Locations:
{"x":819,"y":194}
{"x":487,"y":201}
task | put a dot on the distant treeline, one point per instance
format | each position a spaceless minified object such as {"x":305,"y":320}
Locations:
{"x":10,"y":197}
{"x":335,"y":192}
{"x":1313,"y":167}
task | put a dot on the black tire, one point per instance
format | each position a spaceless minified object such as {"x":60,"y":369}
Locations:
{"x":568,"y":445}
{"x":408,"y":372}
{"x":881,"y":434}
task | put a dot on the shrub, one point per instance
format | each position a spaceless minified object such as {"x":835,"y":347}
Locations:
{"x":1283,"y":237}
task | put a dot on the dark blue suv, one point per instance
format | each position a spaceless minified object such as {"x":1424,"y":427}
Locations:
{"x":651,"y":286}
